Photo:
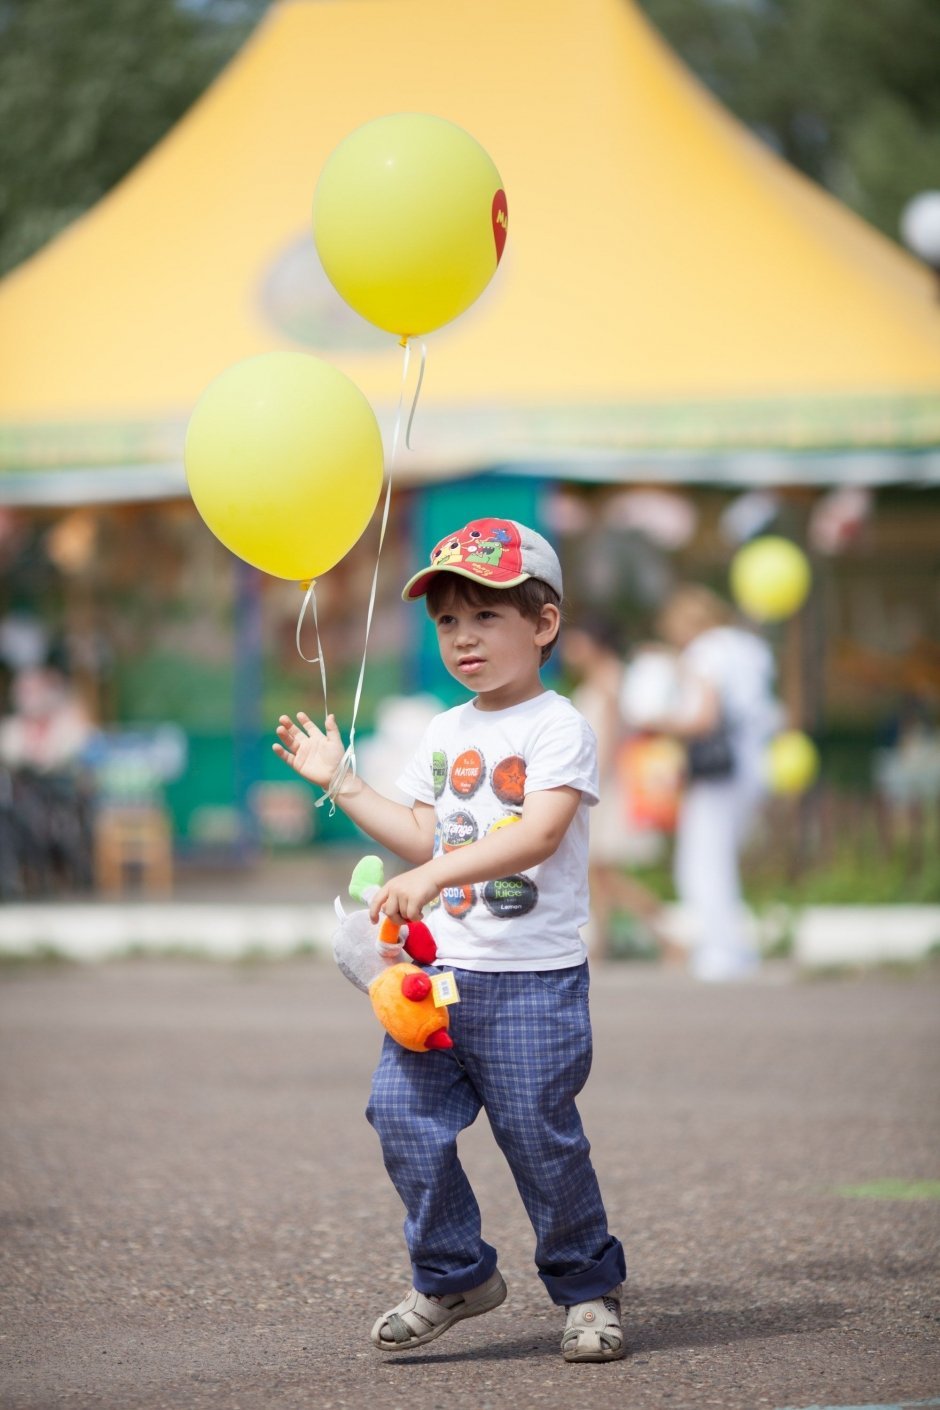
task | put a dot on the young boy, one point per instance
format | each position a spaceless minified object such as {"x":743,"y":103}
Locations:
{"x":498,"y":831}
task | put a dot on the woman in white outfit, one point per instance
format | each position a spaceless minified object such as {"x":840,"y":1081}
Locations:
{"x":726,"y":714}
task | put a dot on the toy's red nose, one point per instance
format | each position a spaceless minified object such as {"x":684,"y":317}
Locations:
{"x":416,"y":987}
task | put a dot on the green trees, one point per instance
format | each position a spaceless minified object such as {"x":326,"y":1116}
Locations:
{"x":86,"y":88}
{"x":848,"y":92}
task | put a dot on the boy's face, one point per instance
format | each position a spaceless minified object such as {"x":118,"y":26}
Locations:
{"x":492,"y":649}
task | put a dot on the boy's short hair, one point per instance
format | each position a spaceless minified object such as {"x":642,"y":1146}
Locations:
{"x":528,"y":598}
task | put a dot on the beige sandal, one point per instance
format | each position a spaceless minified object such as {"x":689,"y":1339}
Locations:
{"x":592,"y":1330}
{"x":419,"y":1318}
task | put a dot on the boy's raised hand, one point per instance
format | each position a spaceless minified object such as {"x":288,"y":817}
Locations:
{"x":309,"y":751}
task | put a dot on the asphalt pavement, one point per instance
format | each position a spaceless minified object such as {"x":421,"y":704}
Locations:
{"x":195,"y":1213}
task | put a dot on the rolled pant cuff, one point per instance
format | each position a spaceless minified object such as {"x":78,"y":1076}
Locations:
{"x":609,"y":1271}
{"x":436,"y":1284}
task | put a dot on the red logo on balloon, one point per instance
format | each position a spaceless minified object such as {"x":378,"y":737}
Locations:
{"x":500,"y":222}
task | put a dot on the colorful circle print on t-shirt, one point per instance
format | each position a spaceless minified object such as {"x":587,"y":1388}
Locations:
{"x":508,"y":780}
{"x":439,"y":771}
{"x":458,"y":829}
{"x":510,"y":896}
{"x":458,"y":901}
{"x":467,"y":773}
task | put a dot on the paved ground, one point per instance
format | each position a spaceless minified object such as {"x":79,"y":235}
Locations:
{"x":195,"y":1212}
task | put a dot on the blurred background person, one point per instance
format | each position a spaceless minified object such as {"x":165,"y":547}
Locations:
{"x":48,"y":727}
{"x":45,"y":844}
{"x":591,"y":651}
{"x":725,"y":711}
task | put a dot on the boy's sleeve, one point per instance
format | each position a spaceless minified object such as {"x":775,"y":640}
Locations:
{"x":417,"y":780}
{"x":565,"y":756}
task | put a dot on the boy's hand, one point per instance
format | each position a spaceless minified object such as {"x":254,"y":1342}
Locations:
{"x":309,"y":752}
{"x":405,"y":896}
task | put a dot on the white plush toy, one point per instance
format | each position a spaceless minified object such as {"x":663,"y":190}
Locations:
{"x":373,"y":958}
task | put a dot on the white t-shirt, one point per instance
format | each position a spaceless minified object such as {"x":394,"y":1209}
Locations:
{"x":740,"y":667}
{"x":476,"y":767}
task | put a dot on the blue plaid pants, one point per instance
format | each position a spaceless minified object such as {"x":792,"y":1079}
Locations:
{"x":522,"y":1051}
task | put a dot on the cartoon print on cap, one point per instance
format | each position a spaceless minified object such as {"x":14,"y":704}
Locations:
{"x":482,"y":547}
{"x":488,"y":549}
{"x":498,"y":552}
{"x":508,"y":780}
{"x":446,"y":553}
{"x":467,"y":772}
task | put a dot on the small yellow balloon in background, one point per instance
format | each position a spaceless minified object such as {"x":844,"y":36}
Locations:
{"x":792,"y":762}
{"x":284,"y":461}
{"x":409,"y":219}
{"x":770,"y":578}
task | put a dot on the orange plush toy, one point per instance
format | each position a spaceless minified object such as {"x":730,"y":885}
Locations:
{"x":372,"y":958}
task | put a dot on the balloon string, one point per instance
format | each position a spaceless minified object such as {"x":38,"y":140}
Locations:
{"x":310,"y":596}
{"x":347,"y":764}
{"x":414,"y":404}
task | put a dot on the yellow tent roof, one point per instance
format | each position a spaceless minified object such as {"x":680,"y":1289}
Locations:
{"x":672,"y":297}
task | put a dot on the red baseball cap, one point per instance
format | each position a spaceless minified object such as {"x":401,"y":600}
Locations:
{"x":498,"y":552}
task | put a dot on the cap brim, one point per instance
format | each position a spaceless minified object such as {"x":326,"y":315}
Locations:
{"x":418,"y":585}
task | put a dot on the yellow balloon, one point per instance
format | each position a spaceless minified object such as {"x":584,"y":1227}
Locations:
{"x":284,"y":462}
{"x":770,"y":578}
{"x":409,"y":219}
{"x":792,"y":762}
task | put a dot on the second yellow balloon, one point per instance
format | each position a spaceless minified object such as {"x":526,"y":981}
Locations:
{"x":284,"y":460}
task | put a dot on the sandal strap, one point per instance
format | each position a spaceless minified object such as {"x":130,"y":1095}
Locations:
{"x":594,"y":1324}
{"x":421,"y":1310}
{"x":421,"y":1317}
{"x":399,"y":1328}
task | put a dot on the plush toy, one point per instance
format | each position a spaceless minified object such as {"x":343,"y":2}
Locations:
{"x":371,"y":957}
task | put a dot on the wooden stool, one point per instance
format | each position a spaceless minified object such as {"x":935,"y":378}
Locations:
{"x":137,"y":837}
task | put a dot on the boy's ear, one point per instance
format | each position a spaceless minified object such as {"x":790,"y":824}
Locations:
{"x":548,"y":624}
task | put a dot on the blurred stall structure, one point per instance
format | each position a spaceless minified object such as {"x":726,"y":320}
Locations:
{"x":686,"y":333}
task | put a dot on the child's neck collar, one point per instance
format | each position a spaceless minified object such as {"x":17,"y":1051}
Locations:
{"x":478,"y":701}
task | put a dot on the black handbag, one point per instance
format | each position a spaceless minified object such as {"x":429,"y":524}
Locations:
{"x":711,"y":756}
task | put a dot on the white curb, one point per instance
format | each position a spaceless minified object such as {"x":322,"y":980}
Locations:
{"x":92,"y":931}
